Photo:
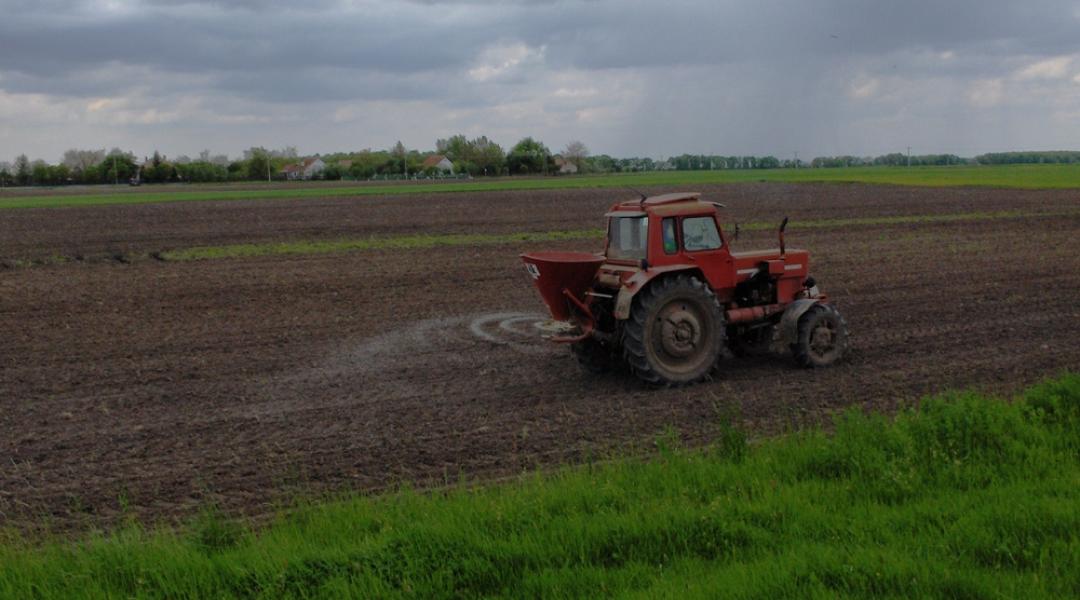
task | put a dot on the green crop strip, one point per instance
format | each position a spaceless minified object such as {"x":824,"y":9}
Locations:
{"x":965,"y":496}
{"x":405,"y":242}
{"x":411,"y":242}
{"x":1007,"y":176}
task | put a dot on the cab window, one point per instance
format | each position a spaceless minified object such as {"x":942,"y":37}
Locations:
{"x":628,"y":237}
{"x":699,"y":233}
{"x":667,"y":227}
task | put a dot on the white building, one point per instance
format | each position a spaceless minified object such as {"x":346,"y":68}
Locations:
{"x":565,"y":167}
{"x":305,"y":169}
{"x":440,"y":162}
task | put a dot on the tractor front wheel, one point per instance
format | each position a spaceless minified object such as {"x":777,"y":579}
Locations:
{"x":823,"y":337}
{"x":675,"y":332}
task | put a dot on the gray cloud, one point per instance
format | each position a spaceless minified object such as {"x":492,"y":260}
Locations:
{"x":628,"y":77}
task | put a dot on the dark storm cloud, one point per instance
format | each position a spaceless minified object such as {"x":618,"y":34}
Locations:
{"x":191,"y":40}
{"x":664,"y":34}
{"x":823,"y":68}
{"x":57,"y":39}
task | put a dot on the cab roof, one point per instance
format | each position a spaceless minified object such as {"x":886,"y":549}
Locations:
{"x":677,"y":203}
{"x":669,"y":198}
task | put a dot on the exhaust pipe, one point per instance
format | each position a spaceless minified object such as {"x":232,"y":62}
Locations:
{"x":783,"y":225}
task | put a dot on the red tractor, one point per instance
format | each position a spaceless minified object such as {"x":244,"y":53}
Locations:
{"x":668,"y":294}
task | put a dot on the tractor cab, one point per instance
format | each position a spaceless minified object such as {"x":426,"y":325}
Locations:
{"x":679,"y":223}
{"x":675,"y":232}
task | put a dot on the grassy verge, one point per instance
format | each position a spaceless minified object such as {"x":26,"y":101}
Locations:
{"x":435,"y":240}
{"x":966,"y":496}
{"x":1004,"y":176}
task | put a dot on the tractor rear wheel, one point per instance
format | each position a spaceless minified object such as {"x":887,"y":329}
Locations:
{"x":675,"y":332}
{"x":823,"y":337}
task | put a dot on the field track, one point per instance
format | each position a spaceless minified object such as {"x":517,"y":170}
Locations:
{"x":135,"y":386}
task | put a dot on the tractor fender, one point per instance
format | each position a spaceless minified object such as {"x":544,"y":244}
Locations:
{"x":641,"y":280}
{"x":623,"y":301}
{"x":789,"y":323}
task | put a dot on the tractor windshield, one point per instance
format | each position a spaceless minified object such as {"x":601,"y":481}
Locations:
{"x":628,"y":237}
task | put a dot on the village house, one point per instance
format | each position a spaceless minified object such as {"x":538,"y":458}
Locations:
{"x":565,"y":167}
{"x":439,"y":162}
{"x":305,"y":169}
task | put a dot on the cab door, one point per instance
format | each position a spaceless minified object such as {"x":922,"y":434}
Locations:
{"x":704,"y":247}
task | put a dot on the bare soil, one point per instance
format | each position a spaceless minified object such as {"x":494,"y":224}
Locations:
{"x":153,"y":389}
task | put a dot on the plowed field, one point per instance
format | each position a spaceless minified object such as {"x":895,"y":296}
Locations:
{"x":151,"y":388}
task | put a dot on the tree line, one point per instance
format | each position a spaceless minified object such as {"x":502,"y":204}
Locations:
{"x":1015,"y":158}
{"x":476,"y":157}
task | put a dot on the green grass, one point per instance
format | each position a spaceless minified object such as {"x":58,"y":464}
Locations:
{"x":964,"y":497}
{"x":1004,"y":176}
{"x":419,"y":241}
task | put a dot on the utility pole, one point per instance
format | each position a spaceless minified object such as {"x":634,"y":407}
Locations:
{"x":909,"y":156}
{"x":267,"y":167}
{"x":116,"y":174}
{"x":796,"y":160}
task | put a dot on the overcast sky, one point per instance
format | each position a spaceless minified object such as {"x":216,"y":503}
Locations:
{"x":628,"y":78}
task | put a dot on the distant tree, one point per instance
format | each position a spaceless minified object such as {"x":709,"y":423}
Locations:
{"x":1039,"y":157}
{"x":39,"y":172}
{"x":894,"y":159}
{"x":258,"y":163}
{"x":220,"y":160}
{"x":402,"y":156}
{"x":601,"y":164}
{"x":80,"y":160}
{"x":22,"y":170}
{"x":201,"y":171}
{"x":529,"y":156}
{"x":288,"y":152}
{"x":478,"y":156}
{"x":158,"y":169}
{"x":632,"y":165}
{"x":61,"y":174}
{"x":768,"y":162}
{"x":365,"y":164}
{"x":839,"y":161}
{"x":415,"y":161}
{"x":362,"y":170}
{"x":707,"y":162}
{"x":237,"y":170}
{"x":163,"y":172}
{"x":487,"y":156}
{"x":119,"y":166}
{"x":576,"y":153}
{"x":333,"y":172}
{"x":456,"y":148}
